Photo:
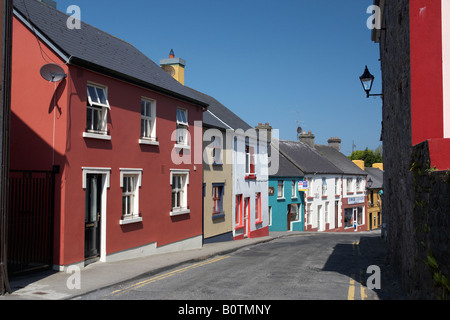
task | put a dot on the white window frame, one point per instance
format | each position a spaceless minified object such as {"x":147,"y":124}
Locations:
{"x":358,"y":184}
{"x":95,"y":105}
{"x":324,"y":187}
{"x":149,"y":120}
{"x":183,"y":209}
{"x":280,"y":189}
{"x":294,"y":189}
{"x":217,"y":150}
{"x":135,"y":216}
{"x":182,"y":128}
{"x":350,"y":185}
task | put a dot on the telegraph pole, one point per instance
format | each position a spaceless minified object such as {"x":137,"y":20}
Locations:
{"x":6,"y":8}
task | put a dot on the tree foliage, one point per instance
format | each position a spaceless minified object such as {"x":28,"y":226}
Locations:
{"x":370,"y":157}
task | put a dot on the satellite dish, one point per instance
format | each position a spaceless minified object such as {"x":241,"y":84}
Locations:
{"x":52,"y":72}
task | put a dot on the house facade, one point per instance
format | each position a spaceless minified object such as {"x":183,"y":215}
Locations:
{"x":350,"y":188}
{"x":320,"y":210}
{"x":374,"y":197}
{"x":230,"y":146}
{"x":115,"y":132}
{"x":250,"y":185}
{"x":286,"y":201}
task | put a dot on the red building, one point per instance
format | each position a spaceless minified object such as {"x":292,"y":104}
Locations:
{"x":430,"y":78}
{"x":112,"y":126}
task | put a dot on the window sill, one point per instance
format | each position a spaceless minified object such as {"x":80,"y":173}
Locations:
{"x":258,"y":222}
{"x":218,"y":216}
{"x":350,"y":193}
{"x":250,"y":177}
{"x":179,"y":212}
{"x":294,"y":198}
{"x":149,"y":142}
{"x":281,"y":199}
{"x":310,"y":198}
{"x":239,"y":227}
{"x":96,"y":136}
{"x":324,"y":197}
{"x":130,"y":220}
{"x":182,"y":146}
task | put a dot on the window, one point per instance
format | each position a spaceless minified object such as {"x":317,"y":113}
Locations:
{"x":280,"y":189}
{"x":294,"y":189}
{"x":258,"y":213}
{"x":358,"y":184}
{"x":96,"y":111}
{"x":349,"y":185}
{"x":179,"y":182}
{"x":348,"y":218}
{"x":249,"y":160}
{"x":217,"y":194}
{"x":182,"y":127}
{"x":130,"y":181}
{"x":324,"y":187}
{"x":217,"y":150}
{"x":336,"y":186}
{"x":310,"y":192}
{"x":148,"y":119}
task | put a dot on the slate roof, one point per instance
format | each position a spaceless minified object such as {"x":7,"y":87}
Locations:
{"x":377,"y":177}
{"x":97,"y":50}
{"x":308,"y":159}
{"x":220,"y":116}
{"x":339,"y":160}
{"x":287,"y":169}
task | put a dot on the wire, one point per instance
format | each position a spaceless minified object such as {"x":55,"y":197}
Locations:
{"x":38,"y":41}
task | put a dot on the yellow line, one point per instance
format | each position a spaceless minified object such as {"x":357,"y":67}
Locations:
{"x":351,"y":288}
{"x":363,"y":289}
{"x":167,"y":275}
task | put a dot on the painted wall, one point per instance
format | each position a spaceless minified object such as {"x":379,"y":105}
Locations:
{"x":217,"y":228}
{"x":279,"y":206}
{"x":249,"y":187}
{"x":32,"y":97}
{"x":317,"y":202}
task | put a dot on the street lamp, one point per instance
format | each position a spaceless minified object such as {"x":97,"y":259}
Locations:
{"x":367,"y":82}
{"x":370,"y":183}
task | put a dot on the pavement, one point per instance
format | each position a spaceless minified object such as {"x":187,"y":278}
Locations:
{"x":51,"y":285}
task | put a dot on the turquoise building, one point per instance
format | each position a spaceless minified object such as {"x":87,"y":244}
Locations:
{"x":286,"y":202}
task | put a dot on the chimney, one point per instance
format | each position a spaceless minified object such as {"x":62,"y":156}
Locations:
{"x":267,"y":131}
{"x":335,"y":143}
{"x":50,"y":3}
{"x":307,"y":138}
{"x":174,"y":66}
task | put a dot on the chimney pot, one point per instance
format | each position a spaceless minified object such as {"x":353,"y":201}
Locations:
{"x":335,"y":143}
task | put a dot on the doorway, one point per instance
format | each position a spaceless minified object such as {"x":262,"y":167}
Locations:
{"x":94,"y":186}
{"x":246,"y":217}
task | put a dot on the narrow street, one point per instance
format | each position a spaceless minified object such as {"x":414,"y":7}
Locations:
{"x":309,"y":266}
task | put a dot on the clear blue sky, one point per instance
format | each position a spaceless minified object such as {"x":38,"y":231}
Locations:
{"x":286,"y":62}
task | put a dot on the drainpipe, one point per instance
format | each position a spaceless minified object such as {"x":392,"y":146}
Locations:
{"x":6,"y":7}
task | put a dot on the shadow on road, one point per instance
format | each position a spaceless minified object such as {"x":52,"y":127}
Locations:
{"x":353,"y":260}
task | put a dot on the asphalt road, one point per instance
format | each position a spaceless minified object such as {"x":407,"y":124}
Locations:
{"x":320,"y":266}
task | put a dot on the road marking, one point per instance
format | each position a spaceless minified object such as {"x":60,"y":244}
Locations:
{"x":362,"y":288}
{"x":351,"y":288}
{"x":167,"y":275}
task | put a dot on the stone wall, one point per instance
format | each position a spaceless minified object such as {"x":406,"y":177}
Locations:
{"x":416,"y":199}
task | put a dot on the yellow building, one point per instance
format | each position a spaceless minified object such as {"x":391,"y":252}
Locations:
{"x":373,"y":194}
